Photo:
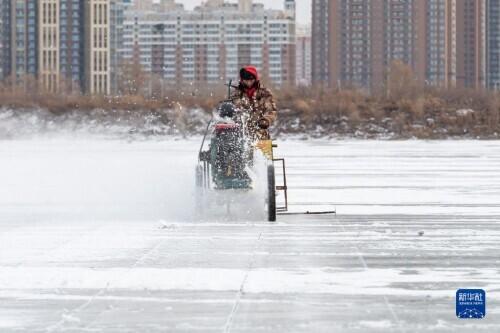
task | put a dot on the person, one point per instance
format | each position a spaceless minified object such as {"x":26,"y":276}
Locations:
{"x":257,"y":101}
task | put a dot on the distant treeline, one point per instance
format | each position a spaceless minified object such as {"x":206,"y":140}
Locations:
{"x":405,"y":110}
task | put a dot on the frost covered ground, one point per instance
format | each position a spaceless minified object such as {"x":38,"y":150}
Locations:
{"x":98,"y":235}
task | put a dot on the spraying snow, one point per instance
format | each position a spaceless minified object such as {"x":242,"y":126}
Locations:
{"x":97,"y":179}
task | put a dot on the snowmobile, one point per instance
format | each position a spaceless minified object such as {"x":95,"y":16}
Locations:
{"x":225,"y":166}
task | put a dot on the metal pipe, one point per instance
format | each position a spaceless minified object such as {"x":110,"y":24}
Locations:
{"x":284,"y":183}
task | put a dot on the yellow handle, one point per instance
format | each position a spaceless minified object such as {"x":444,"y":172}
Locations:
{"x":266,"y":146}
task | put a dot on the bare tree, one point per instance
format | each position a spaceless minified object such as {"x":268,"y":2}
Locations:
{"x":401,"y":81}
{"x":132,"y":78}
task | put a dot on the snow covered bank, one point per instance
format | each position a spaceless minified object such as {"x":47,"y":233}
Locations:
{"x":180,"y":122}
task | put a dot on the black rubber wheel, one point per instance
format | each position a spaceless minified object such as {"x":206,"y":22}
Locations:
{"x":271,"y":194}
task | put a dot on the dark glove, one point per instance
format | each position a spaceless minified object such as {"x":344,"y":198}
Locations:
{"x":263,"y":123}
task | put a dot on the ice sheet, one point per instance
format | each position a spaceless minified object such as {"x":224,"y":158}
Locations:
{"x":100,"y":235}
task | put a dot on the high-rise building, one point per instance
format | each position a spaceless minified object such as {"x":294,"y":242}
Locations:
{"x":290,"y":9}
{"x":97,"y":47}
{"x":442,"y":40}
{"x":350,"y":43}
{"x":23,"y":41}
{"x":321,"y":30}
{"x":436,"y":53}
{"x":71,"y":37}
{"x":61,"y":36}
{"x":60,"y":45}
{"x":493,"y":44}
{"x":365,"y":37}
{"x":4,"y":39}
{"x":212,"y":42}
{"x":117,"y":17}
{"x":303,"y":56}
{"x":471,"y":43}
{"x":47,"y":41}
{"x":48,"y":44}
{"x":66,"y":29}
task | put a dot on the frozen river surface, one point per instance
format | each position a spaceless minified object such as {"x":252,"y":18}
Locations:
{"x":99,"y":236}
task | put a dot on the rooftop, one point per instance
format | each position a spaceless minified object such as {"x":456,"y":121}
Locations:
{"x":210,"y":9}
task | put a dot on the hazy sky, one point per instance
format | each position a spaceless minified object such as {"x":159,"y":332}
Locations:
{"x":303,"y":7}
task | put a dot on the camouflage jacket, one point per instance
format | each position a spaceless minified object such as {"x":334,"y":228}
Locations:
{"x":261,"y":105}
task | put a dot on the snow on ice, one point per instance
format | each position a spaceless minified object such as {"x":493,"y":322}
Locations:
{"x":99,"y":235}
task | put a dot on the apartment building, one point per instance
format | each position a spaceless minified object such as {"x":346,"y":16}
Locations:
{"x":471,"y":43}
{"x":117,"y":17}
{"x":363,"y":38}
{"x":442,"y":40}
{"x":493,"y":44}
{"x":23,"y":39}
{"x":63,"y":40}
{"x":97,"y":47}
{"x":322,"y":26}
{"x":437,"y":52}
{"x":71,"y":45}
{"x":211,"y":43}
{"x":46,"y":40}
{"x":48,"y":44}
{"x":303,"y":70}
{"x":4,"y":39}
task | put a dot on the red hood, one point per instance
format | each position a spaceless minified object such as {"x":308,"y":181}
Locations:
{"x":253,"y":70}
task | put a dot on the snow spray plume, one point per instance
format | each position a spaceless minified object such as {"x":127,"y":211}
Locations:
{"x":90,"y":180}
{"x":121,"y":124}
